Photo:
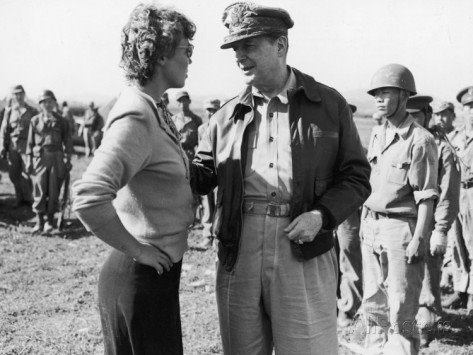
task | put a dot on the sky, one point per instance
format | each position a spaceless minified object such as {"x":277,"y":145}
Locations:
{"x":73,"y":46}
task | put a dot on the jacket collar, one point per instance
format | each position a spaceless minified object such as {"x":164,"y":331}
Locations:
{"x":304,"y":83}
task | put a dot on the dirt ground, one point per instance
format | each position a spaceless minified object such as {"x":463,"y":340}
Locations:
{"x":48,"y":291}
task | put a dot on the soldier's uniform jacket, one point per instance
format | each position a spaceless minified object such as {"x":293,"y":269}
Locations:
{"x":404,"y":168}
{"x":329,"y":168}
{"x":188,"y":128}
{"x":447,"y":205}
{"x":15,"y":125}
{"x":463,"y":144}
{"x":93,"y":120}
{"x":49,"y":133}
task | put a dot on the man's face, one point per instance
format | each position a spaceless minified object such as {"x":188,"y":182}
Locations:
{"x":444,"y":119}
{"x":258,"y":60}
{"x":184,"y":103}
{"x":19,"y":98}
{"x":387,"y":100}
{"x":210,"y":112}
{"x":47,"y":105}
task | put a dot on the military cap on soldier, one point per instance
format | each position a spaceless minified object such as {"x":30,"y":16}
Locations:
{"x":352,"y":108}
{"x":212,"y":104}
{"x":182,"y":94}
{"x":247,"y":20}
{"x":418,"y":103}
{"x":17,"y":89}
{"x":442,"y":106}
{"x":465,"y":96}
{"x":46,"y":94}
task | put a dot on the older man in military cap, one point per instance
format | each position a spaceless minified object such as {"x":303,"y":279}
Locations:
{"x":49,"y":150}
{"x":14,"y":133}
{"x":397,"y":217}
{"x":462,"y":269}
{"x":289,"y":166}
{"x":445,"y":212}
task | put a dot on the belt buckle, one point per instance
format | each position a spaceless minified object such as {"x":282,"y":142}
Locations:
{"x":273,"y":210}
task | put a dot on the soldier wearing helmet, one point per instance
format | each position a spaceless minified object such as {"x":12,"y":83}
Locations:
{"x":396,"y":218}
{"x":462,"y":230}
{"x":49,"y":150}
{"x":13,"y":133}
{"x":445,"y":212}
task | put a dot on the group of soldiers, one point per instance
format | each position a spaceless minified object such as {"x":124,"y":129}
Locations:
{"x":38,"y":147}
{"x":391,"y":252}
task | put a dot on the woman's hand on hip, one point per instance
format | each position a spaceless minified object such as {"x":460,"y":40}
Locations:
{"x":152,"y":256}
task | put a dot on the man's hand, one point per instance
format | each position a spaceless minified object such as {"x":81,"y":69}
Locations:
{"x":415,"y":251}
{"x":152,"y":256}
{"x":438,"y":243}
{"x":305,"y":227}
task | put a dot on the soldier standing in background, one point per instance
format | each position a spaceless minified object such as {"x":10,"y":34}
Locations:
{"x":14,"y":133}
{"x":187,"y":123}
{"x":67,"y":115}
{"x":92,"y":127}
{"x":208,"y":201}
{"x":397,"y":217}
{"x":49,"y":142}
{"x":350,"y":263}
{"x":443,"y":117}
{"x":462,"y":230}
{"x":445,"y":212}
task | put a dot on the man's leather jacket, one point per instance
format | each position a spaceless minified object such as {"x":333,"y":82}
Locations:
{"x":330,"y":170}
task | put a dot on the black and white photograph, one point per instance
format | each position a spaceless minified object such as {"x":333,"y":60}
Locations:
{"x":268,"y":177}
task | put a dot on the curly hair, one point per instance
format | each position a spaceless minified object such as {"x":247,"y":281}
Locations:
{"x":152,"y":31}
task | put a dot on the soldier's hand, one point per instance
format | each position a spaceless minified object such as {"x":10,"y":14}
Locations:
{"x":152,"y":256}
{"x":305,"y":227}
{"x":415,"y":250}
{"x":68,"y":166}
{"x":438,"y":243}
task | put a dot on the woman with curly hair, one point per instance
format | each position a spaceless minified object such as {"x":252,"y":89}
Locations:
{"x":142,"y":168}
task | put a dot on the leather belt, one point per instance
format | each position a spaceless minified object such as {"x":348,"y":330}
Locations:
{"x":467,"y":184}
{"x":379,"y":215}
{"x":267,"y":208}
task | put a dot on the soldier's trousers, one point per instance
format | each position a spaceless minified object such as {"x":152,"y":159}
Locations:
{"x":89,"y":141}
{"x":49,"y":173}
{"x":208,"y":207}
{"x":19,"y":176}
{"x":391,"y":286}
{"x":351,"y":285}
{"x":273,"y":299}
{"x":430,"y":305}
{"x":462,"y":233}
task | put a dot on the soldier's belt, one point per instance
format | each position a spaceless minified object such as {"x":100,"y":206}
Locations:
{"x":379,"y":215}
{"x":267,"y":208}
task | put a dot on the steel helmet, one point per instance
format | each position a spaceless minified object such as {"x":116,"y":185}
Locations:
{"x":46,"y":94}
{"x":393,"y":76}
